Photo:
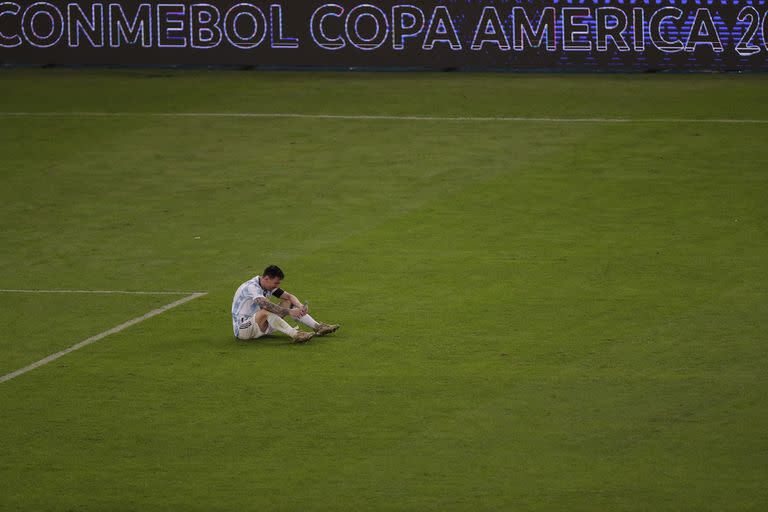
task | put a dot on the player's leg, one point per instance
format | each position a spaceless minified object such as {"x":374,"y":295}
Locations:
{"x":320,"y":328}
{"x":253,"y":328}
{"x":269,"y":322}
{"x":261,"y":320}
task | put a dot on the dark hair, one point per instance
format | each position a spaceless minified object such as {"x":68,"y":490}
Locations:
{"x":273,"y":271}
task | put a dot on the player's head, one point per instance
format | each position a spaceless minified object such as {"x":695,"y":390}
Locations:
{"x":271,"y":277}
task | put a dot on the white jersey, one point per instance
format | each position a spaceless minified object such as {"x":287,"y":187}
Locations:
{"x":244,"y":305}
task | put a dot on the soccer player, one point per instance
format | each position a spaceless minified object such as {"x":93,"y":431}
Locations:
{"x":254,"y":315}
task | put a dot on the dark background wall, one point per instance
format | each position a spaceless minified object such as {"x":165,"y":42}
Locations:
{"x":467,"y":34}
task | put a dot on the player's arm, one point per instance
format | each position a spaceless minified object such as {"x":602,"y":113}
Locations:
{"x":294,"y":300}
{"x":266,"y":304}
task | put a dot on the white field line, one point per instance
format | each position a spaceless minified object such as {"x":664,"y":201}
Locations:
{"x":101,"y":335}
{"x":114,"y":292}
{"x":257,"y":115}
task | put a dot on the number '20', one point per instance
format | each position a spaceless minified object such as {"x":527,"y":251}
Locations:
{"x":745,"y":47}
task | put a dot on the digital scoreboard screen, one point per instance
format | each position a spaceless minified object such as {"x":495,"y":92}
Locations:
{"x":577,"y":35}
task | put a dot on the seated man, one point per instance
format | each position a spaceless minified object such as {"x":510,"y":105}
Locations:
{"x":254,"y":315}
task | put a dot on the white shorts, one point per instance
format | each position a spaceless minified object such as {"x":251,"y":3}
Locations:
{"x":249,"y":330}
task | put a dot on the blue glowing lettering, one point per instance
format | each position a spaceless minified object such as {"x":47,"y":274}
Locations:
{"x":490,"y":30}
{"x":34,"y":29}
{"x":121,"y":29}
{"x":402,"y":29}
{"x":611,"y":24}
{"x":374,"y":38}
{"x":92,"y":29}
{"x":441,"y":30}
{"x":9,"y":9}
{"x":657,"y":38}
{"x":204,"y":26}
{"x":317,"y":27}
{"x":250,"y":16}
{"x":525,"y":33}
{"x":703,"y":31}
{"x":278,"y":40}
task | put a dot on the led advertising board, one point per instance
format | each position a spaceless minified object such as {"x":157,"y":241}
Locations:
{"x":578,"y":35}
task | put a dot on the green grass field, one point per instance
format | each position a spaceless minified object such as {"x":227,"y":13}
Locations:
{"x":536,"y":315}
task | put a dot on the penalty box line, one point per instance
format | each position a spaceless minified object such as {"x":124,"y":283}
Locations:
{"x":101,"y":335}
{"x":350,"y":117}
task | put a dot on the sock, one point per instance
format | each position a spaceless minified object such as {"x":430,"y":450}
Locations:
{"x":281,"y":325}
{"x":309,"y":321}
